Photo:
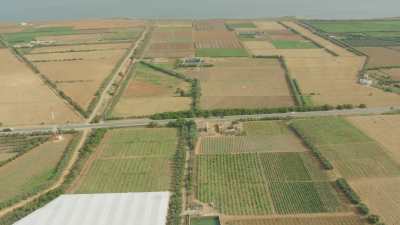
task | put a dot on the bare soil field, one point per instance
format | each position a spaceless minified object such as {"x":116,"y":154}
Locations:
{"x":333,"y":80}
{"x":10,"y":27}
{"x":71,"y":56}
{"x":25,"y":99}
{"x":381,"y":57}
{"x":172,"y":35}
{"x":260,"y":47}
{"x":324,"y":219}
{"x":382,"y":195}
{"x":216,"y":39}
{"x":94,"y":24}
{"x":151,"y":92}
{"x":79,"y":79}
{"x":75,"y":48}
{"x":208,"y":25}
{"x":248,"y":83}
{"x":383,"y":129}
{"x":174,"y":23}
{"x":269,"y":26}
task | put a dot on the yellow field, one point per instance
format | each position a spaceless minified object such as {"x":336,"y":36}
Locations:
{"x":382,"y":195}
{"x":25,"y":99}
{"x":384,"y":129}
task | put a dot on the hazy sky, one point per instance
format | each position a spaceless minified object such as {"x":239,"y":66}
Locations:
{"x":66,"y":9}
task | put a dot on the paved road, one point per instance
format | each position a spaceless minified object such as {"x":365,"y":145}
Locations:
{"x":146,"y":121}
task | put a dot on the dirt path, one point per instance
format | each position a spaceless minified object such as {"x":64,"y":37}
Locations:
{"x":58,"y":183}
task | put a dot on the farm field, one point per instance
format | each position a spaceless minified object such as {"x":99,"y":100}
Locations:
{"x":131,"y":160}
{"x":272,"y":136}
{"x":78,"y":48}
{"x":299,"y":220}
{"x":22,"y":176}
{"x":352,"y":153}
{"x":242,"y":83}
{"x":25,"y":99}
{"x":78,"y":74}
{"x":382,"y":196}
{"x":381,"y":56}
{"x":13,"y":145}
{"x":383,"y":129}
{"x":171,"y":42}
{"x":263,"y":181}
{"x":150,"y":92}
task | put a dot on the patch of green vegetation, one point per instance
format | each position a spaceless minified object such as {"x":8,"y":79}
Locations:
{"x":240,"y":25}
{"x":221,"y":52}
{"x":205,"y":221}
{"x":285,"y":44}
{"x":122,"y":35}
{"x":385,"y":82}
{"x":149,"y":75}
{"x":335,"y":26}
{"x":31,"y":34}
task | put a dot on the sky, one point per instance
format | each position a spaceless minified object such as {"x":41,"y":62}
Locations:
{"x":24,"y":10}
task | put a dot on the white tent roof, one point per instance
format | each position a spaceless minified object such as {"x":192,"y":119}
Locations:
{"x":147,"y":208}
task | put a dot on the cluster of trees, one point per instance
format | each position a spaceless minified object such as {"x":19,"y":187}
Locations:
{"x":316,"y":152}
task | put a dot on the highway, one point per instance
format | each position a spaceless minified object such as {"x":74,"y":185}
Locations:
{"x":146,"y":121}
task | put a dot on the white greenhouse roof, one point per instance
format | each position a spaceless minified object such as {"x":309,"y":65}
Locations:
{"x":147,"y":208}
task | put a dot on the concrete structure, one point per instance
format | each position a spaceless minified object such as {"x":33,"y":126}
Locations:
{"x":147,"y":208}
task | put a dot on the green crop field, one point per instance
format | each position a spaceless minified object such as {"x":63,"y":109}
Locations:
{"x":221,"y":52}
{"x":132,"y":160}
{"x":265,"y":136}
{"x":352,"y":152}
{"x":356,"y":25}
{"x":31,"y":171}
{"x":284,"y":44}
{"x":242,"y":184}
{"x":32,"y":33}
{"x":240,"y":25}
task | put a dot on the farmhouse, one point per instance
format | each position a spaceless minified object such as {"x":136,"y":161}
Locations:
{"x":145,"y":208}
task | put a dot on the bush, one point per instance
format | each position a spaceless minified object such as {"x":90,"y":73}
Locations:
{"x":363,"y":209}
{"x":348,"y":191}
{"x":373,"y":219}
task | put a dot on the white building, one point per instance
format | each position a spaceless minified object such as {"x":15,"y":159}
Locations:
{"x":147,"y":208}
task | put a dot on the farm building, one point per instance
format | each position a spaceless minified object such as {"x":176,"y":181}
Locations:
{"x":145,"y":208}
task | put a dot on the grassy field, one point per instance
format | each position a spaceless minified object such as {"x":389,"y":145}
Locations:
{"x":265,"y":177}
{"x":132,"y":160}
{"x":151,"y":92}
{"x":240,"y":25}
{"x":11,"y":146}
{"x":205,"y":221}
{"x":285,"y":44}
{"x":221,"y":52}
{"x":354,"y":154}
{"x":29,"y":172}
{"x":356,"y":25}
{"x":268,"y":136}
{"x":31,"y":34}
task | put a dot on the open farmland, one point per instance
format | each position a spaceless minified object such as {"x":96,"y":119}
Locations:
{"x":263,"y":183}
{"x":150,"y":92}
{"x":332,"y":219}
{"x":272,"y":136}
{"x":171,"y":42}
{"x":25,"y":99}
{"x":208,"y":25}
{"x":352,"y":153}
{"x":382,"y":195}
{"x":383,"y":129}
{"x":381,"y":56}
{"x":79,"y":48}
{"x":131,"y":160}
{"x":242,"y":83}
{"x":79,"y":74}
{"x":13,"y":145}
{"x":23,"y":175}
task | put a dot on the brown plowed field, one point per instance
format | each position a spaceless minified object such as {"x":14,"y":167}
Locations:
{"x":382,"y":195}
{"x":69,"y":48}
{"x":331,"y":219}
{"x":25,"y":99}
{"x":242,"y":83}
{"x":380,"y":56}
{"x":216,"y":39}
{"x":80,"y":79}
{"x":384,"y":129}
